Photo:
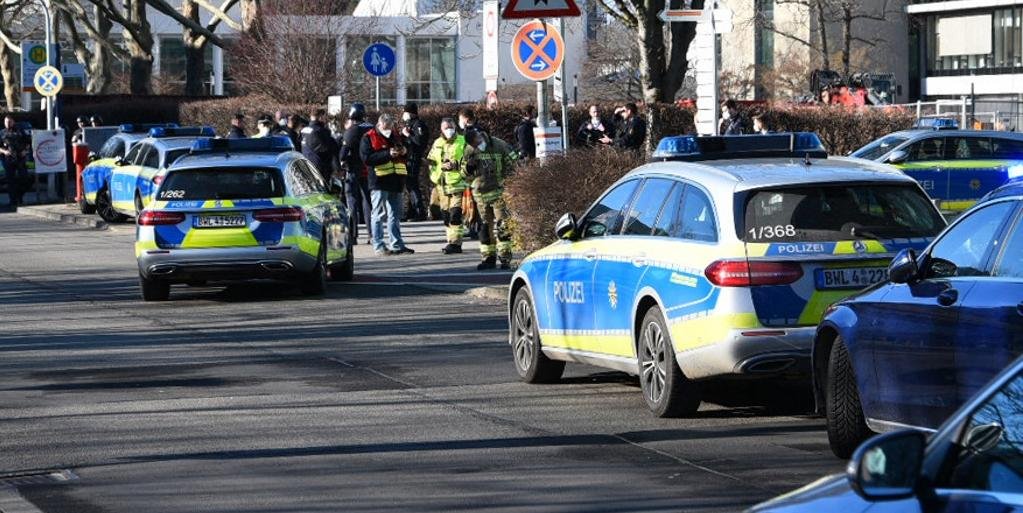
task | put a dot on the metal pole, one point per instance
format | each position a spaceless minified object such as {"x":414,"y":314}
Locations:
{"x":973,"y":106}
{"x":541,"y":104}
{"x":564,"y":95}
{"x":48,"y":18}
{"x":378,"y":95}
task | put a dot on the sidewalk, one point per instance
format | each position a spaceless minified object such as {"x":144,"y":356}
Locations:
{"x":64,"y":213}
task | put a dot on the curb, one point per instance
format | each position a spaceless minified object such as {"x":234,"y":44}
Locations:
{"x":492,"y":293}
{"x":89,"y":221}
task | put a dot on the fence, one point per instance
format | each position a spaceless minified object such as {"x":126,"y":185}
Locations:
{"x":980,"y":114}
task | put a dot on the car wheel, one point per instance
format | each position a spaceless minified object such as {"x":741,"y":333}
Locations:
{"x":345,"y":271}
{"x":315,"y":282}
{"x":667,"y":391}
{"x":105,"y":207}
{"x":85,"y":208}
{"x":532,"y":365}
{"x":154,"y":290}
{"x":846,"y":425}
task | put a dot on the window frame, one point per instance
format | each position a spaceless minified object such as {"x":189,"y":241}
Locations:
{"x":713,"y":213}
{"x":672,"y":183}
{"x":583,"y":222}
{"x":987,"y":262}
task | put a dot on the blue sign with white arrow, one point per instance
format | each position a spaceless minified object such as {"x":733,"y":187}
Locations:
{"x":378,"y":59}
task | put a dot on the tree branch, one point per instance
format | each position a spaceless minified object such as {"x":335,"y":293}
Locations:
{"x":78,"y":13}
{"x":220,"y":14}
{"x":165,"y":8}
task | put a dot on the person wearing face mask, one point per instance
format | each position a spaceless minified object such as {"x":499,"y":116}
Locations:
{"x":417,"y":136}
{"x":445,"y":160}
{"x":318,"y":146}
{"x":384,"y":152}
{"x":487,"y":161}
{"x":263,"y":127}
{"x":524,"y":134}
{"x":731,"y":122}
{"x":594,"y":129}
{"x":470,"y":212}
{"x":357,"y":176}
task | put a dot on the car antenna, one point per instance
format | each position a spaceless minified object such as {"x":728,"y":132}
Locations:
{"x":806,"y":160}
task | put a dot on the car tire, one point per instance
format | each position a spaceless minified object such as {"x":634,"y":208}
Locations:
{"x":345,"y":271}
{"x":154,"y":290}
{"x":667,"y":391}
{"x":314,"y":283}
{"x":532,"y":365}
{"x":105,"y":207}
{"x":85,"y":208}
{"x":847,"y":428}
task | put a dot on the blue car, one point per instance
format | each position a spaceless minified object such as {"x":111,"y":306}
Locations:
{"x":909,"y":351}
{"x":973,"y":463}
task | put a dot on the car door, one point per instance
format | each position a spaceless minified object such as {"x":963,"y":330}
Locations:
{"x":323,"y":208}
{"x":913,"y":344}
{"x":567,"y":286}
{"x":991,"y":316}
{"x":927,"y":165}
{"x":621,"y":264}
{"x":972,"y":171}
{"x":123,"y":181}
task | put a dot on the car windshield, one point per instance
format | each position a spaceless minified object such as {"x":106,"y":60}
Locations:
{"x":839,"y":212}
{"x":173,"y":155}
{"x":222,"y":184}
{"x":876,"y":149}
{"x":113,"y":148}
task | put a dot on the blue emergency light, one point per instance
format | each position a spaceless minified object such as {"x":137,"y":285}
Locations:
{"x":937,"y":123}
{"x":132,"y":128}
{"x":273,"y":144}
{"x":186,"y":131}
{"x":693,"y":148}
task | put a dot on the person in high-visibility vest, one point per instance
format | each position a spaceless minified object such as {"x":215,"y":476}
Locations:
{"x":384,"y":152}
{"x":445,"y":160}
{"x":487,"y":161}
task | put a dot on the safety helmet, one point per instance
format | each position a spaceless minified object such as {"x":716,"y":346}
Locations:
{"x":357,"y":112}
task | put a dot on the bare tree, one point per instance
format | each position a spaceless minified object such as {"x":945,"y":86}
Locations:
{"x":11,"y":14}
{"x":612,"y":70}
{"x":195,"y":42}
{"x":94,"y":49}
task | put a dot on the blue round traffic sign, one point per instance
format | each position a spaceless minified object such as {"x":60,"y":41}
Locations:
{"x":537,"y":50}
{"x":378,"y":59}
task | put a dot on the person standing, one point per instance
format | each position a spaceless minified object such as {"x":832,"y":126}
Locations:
{"x":417,"y":136}
{"x":263,"y":128}
{"x":633,"y":130}
{"x":445,"y":160}
{"x":732,"y":122}
{"x":14,"y":151}
{"x":318,"y":146}
{"x":237,"y":127}
{"x":78,"y":137}
{"x":385,"y":154}
{"x":594,"y":129}
{"x":470,"y":213}
{"x":293,"y":131}
{"x":357,"y":176}
{"x":487,"y":160}
{"x":524,"y":134}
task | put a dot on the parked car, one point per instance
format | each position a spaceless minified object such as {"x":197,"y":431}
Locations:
{"x":719,"y":260}
{"x":909,"y":351}
{"x":955,"y":167}
{"x":973,"y":463}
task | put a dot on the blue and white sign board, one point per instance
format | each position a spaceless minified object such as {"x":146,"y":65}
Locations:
{"x":378,"y":59}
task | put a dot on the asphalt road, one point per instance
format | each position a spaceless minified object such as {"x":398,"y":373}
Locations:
{"x":393,"y":393}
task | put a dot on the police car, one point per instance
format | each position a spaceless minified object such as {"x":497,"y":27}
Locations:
{"x":96,"y":177}
{"x":719,"y":260}
{"x":234,"y":209}
{"x":955,"y":167}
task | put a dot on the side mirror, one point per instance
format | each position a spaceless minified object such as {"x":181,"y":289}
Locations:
{"x":887,"y":467}
{"x":903,"y":268}
{"x":567,"y":227}
{"x":897,"y":157}
{"x":93,"y":157}
{"x":119,"y":162}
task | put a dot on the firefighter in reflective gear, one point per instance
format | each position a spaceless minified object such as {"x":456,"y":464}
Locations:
{"x":445,"y":160}
{"x":487,"y":159}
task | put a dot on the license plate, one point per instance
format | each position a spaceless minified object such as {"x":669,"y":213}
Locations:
{"x":856,"y":278}
{"x":219,"y":221}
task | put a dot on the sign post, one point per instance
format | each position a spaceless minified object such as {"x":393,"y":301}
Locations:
{"x":710,"y":22}
{"x":379,"y":60}
{"x":538,"y":52}
{"x":491,"y":43}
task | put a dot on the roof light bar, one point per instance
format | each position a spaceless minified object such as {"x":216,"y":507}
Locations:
{"x":690,"y":147}
{"x":274,"y":144}
{"x":185,"y":131}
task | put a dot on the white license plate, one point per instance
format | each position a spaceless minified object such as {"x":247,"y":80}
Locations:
{"x":219,"y":221}
{"x":856,"y":278}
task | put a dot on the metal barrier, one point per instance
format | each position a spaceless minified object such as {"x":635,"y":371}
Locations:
{"x":980,"y":114}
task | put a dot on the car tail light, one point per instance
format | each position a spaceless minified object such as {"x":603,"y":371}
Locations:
{"x":279,"y":215}
{"x":156,"y":217}
{"x":742,"y":273}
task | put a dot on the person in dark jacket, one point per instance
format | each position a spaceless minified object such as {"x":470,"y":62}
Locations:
{"x":356,"y":177}
{"x":78,"y":137}
{"x":732,"y":122}
{"x":237,"y":127}
{"x":594,"y":129}
{"x":417,"y":138}
{"x":293,"y":131}
{"x":318,"y":146}
{"x":633,"y":130}
{"x":385,"y":153}
{"x":524,"y":141}
{"x":14,"y":150}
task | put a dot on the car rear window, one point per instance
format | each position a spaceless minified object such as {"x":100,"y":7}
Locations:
{"x":222,"y":184}
{"x":839,"y":212}
{"x":876,"y":149}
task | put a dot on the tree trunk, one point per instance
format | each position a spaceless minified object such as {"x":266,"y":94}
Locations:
{"x":680,"y":37}
{"x":100,"y":76}
{"x":252,"y":20}
{"x":195,"y":55}
{"x":650,"y":35}
{"x":140,"y":47}
{"x":847,"y":19}
{"x":11,"y":82}
{"x":822,"y":33}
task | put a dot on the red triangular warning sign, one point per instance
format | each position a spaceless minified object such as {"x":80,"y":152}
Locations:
{"x":518,"y":9}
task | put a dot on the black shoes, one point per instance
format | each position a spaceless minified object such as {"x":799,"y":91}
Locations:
{"x":505,"y":264}
{"x":402,"y":251}
{"x":452,"y":249}
{"x":487,"y":264}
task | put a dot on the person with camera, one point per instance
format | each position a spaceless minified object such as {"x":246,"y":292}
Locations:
{"x":385,"y":153}
{"x":14,"y":150}
{"x":487,"y":161}
{"x":445,"y":160}
{"x":417,"y":136}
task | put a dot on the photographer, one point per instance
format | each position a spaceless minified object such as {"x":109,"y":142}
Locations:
{"x":385,"y":154}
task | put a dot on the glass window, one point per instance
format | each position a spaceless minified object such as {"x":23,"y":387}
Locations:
{"x":967,"y":148}
{"x":133,"y":154}
{"x":112,"y":149}
{"x":1011,"y":263}
{"x":989,"y":454}
{"x":298,"y":181}
{"x":932,"y":148}
{"x":1006,"y":148}
{"x":173,"y":155}
{"x":667,"y":224}
{"x":222,"y":183}
{"x":876,"y":149}
{"x":430,"y":69}
{"x":697,"y":217}
{"x":173,"y":60}
{"x":605,"y":217}
{"x":963,"y":250}
{"x":647,"y":206}
{"x":1005,"y":54}
{"x":312,"y":177}
{"x":361,"y":86}
{"x":152,"y":158}
{"x":840,"y":212}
